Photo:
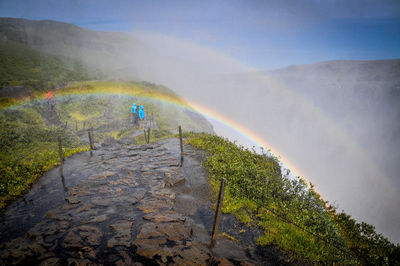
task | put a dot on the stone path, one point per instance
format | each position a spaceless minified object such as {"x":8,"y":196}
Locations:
{"x":125,"y":205}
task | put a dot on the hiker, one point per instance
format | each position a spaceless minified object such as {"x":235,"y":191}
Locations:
{"x":134,"y":114}
{"x":49,"y":97}
{"x":141,"y":114}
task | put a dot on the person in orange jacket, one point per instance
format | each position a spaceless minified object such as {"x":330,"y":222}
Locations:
{"x":49,"y":97}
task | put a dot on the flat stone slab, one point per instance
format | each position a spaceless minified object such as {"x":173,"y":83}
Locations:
{"x":170,"y":243}
{"x":174,"y":180}
{"x":165,"y":217}
{"x":166,"y":194}
{"x":103,"y":174}
{"x":82,"y":236}
{"x":153,"y":205}
{"x":72,"y":200}
{"x":98,"y":219}
{"x":122,"y":234}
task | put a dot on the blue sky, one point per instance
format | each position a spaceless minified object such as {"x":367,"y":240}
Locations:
{"x":263,"y":34}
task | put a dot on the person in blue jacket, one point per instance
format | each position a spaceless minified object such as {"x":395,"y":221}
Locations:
{"x":141,"y":113}
{"x":134,"y":114}
{"x":133,"y":108}
{"x":141,"y":116}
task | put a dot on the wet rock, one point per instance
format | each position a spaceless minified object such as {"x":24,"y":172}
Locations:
{"x":79,"y":262}
{"x":84,"y":212}
{"x":152,"y":205}
{"x":80,"y":192}
{"x":98,"y":219}
{"x":74,"y":191}
{"x":125,"y":182}
{"x":139,"y":194}
{"x":194,"y":253}
{"x":229,"y":249}
{"x":170,"y":170}
{"x":82,"y":236}
{"x":167,"y":231}
{"x":72,"y":200}
{"x":50,"y":238}
{"x":126,"y":260}
{"x":154,"y":183}
{"x":85,"y":208}
{"x":165,"y":217}
{"x":224,"y":262}
{"x":149,"y":174}
{"x":122,"y":234}
{"x":163,"y":194}
{"x":128,"y":200}
{"x":174,"y":180}
{"x":170,"y":243}
{"x":59,"y":214}
{"x":48,"y":228}
{"x":148,"y":168}
{"x":171,"y":162}
{"x":160,"y":154}
{"x":146,"y":147}
{"x":50,"y":262}
{"x":102,"y":201}
{"x":133,"y":154}
{"x":16,"y":251}
{"x":246,"y":263}
{"x":102,"y":175}
{"x":110,"y":162}
{"x":120,"y":166}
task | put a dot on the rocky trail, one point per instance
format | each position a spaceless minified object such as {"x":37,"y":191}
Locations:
{"x":125,"y":205}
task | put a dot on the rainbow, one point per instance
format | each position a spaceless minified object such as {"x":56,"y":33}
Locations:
{"x":173,"y":99}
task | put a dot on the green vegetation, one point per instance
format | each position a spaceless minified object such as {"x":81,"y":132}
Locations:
{"x":28,"y":149}
{"x":369,"y":247}
{"x":293,"y":216}
{"x":23,"y":66}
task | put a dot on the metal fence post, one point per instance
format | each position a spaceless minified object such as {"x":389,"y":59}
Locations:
{"x":181,"y":143}
{"x":218,"y":212}
{"x":92,"y":139}
{"x":61,"y":155}
{"x":145,"y":136}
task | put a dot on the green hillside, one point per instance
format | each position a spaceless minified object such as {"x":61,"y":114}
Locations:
{"x":104,"y":54}
{"x":23,"y":66}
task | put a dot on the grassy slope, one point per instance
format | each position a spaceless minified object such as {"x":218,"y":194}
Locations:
{"x":28,"y":148}
{"x":257,"y":193}
{"x":23,"y":66}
